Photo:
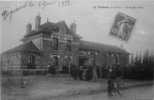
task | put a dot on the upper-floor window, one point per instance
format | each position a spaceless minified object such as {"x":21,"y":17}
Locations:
{"x":55,"y":43}
{"x":68,"y":45}
{"x":117,"y":59}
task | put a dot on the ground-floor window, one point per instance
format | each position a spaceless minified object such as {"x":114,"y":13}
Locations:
{"x":31,"y":61}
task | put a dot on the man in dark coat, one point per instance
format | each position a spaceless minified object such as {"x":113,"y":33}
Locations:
{"x":89,"y":73}
{"x":74,"y":71}
{"x":110,"y":81}
{"x":52,"y":69}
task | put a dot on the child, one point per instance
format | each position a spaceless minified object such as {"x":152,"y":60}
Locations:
{"x":117,"y":84}
{"x":110,"y":87}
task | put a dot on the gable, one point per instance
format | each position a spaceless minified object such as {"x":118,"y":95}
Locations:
{"x":28,"y":47}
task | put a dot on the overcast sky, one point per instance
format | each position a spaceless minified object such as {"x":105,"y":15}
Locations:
{"x":92,"y":24}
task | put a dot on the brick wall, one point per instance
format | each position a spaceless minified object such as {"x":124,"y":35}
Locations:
{"x":11,"y":60}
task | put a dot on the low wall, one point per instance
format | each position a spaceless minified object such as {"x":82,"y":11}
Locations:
{"x":20,"y":72}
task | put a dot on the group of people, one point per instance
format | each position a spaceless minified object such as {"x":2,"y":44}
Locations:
{"x":83,"y":72}
{"x":114,"y":86}
{"x":89,"y":73}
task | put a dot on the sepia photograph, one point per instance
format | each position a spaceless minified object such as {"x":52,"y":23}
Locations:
{"x":76,"y":50}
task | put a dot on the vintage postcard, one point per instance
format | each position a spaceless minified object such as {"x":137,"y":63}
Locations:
{"x":76,"y":49}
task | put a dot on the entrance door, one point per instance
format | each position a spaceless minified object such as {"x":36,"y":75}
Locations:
{"x":83,"y":60}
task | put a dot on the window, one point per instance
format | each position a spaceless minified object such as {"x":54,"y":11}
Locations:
{"x":117,"y":59}
{"x":31,"y":60}
{"x":55,"y":43}
{"x":68,"y":45}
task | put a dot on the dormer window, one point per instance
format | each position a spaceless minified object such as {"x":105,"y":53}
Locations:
{"x":56,"y":29}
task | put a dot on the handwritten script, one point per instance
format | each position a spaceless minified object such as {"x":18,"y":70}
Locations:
{"x":42,"y":4}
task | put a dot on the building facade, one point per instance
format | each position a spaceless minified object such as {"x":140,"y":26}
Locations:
{"x":59,"y":44}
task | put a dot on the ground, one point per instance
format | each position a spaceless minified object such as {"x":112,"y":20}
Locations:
{"x":57,"y":87}
{"x":139,"y":93}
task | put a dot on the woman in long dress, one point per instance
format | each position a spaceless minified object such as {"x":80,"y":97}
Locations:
{"x":124,"y":28}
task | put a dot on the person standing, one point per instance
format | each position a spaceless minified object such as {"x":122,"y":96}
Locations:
{"x":117,"y":85}
{"x":94,"y":71}
{"x":110,"y":87}
{"x":88,"y":73}
{"x":118,"y":81}
{"x":74,"y":71}
{"x":110,"y":81}
{"x":52,"y":69}
{"x":110,"y":72}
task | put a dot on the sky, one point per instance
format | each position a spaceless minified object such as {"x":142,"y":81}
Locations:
{"x":93,"y":20}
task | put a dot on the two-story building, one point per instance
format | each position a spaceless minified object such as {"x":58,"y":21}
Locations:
{"x":59,"y":44}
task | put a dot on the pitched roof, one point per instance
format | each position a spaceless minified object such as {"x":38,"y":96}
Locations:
{"x":28,"y":47}
{"x":63,"y":27}
{"x":100,"y":47}
{"x":49,"y":27}
{"x":32,"y":33}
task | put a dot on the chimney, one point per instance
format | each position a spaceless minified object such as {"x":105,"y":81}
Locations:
{"x":28,"y":28}
{"x":37,"y":22}
{"x":73,"y":27}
